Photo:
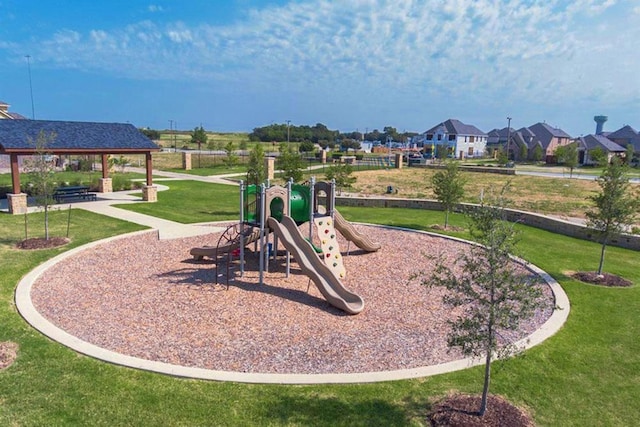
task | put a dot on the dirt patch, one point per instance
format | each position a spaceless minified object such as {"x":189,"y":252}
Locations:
{"x":42,"y":243}
{"x":604,"y":279}
{"x":462,"y":410}
{"x":8,"y":353}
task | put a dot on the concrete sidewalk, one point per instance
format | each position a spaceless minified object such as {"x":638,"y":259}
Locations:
{"x":104,"y":206}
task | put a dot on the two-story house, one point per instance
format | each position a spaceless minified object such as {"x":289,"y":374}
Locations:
{"x":459,"y":140}
{"x":626,"y":136}
{"x":549,"y":138}
{"x":5,"y":114}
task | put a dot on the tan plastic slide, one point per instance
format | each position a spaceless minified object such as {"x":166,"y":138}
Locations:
{"x":350,"y":233}
{"x":328,"y":284}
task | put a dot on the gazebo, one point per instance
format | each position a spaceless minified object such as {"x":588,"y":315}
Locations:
{"x":18,"y":138}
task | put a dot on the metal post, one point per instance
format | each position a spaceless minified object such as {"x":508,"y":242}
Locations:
{"x":312,"y":184}
{"x":242,"y":190}
{"x":262,"y":209}
{"x":288,"y":255}
{"x":332,"y":205}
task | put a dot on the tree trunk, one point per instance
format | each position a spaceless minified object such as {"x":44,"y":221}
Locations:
{"x":487,"y":380}
{"x":446,"y":219}
{"x":604,"y":246}
{"x":46,"y":221}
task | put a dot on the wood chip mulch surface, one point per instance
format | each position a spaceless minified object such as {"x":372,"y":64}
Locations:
{"x":148,"y":298}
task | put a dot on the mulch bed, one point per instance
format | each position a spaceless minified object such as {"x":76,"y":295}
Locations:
{"x":42,"y":243}
{"x":604,"y":279}
{"x":8,"y":353}
{"x":461,"y":410}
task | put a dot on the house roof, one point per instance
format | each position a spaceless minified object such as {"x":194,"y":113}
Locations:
{"x":19,"y":136}
{"x":456,"y":127}
{"x":504,"y":132}
{"x":591,"y":142}
{"x":546,"y":133}
{"x":526,"y":132}
{"x":625,"y":132}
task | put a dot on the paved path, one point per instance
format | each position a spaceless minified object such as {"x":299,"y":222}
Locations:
{"x":104,"y":206}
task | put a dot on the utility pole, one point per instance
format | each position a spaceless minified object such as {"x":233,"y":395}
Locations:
{"x":508,"y":135}
{"x":33,"y":110}
{"x":288,"y":123}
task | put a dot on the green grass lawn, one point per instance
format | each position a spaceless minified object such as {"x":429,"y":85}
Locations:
{"x":587,"y":374}
{"x":191,"y":202}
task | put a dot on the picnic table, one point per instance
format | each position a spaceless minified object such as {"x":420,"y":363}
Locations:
{"x":73,"y":193}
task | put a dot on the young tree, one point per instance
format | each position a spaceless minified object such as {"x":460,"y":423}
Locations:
{"x":598,"y":156}
{"x":306,"y":147}
{"x":120,"y":162}
{"x":231,"y":158}
{"x":537,"y":154}
{"x":448,"y":187}
{"x":615,"y":206}
{"x":290,"y":163}
{"x":256,"y":173}
{"x":199,"y":137}
{"x":41,"y":169}
{"x":628,"y":154}
{"x":342,"y":173}
{"x":495,"y":295}
{"x":502,"y":158}
{"x":524,"y":152}
{"x":567,"y":155}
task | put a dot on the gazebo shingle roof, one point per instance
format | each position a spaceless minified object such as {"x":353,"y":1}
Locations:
{"x":19,"y":136}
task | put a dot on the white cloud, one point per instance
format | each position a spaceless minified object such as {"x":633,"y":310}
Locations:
{"x":153,"y":8}
{"x":429,"y":50}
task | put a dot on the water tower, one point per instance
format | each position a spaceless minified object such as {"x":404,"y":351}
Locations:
{"x":600,"y":123}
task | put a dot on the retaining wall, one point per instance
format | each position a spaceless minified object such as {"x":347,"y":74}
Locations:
{"x":628,"y":241}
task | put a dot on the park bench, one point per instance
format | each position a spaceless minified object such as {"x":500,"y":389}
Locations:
{"x":76,"y":193}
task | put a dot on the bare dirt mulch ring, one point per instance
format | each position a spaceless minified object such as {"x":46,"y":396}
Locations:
{"x":460,"y":410}
{"x":8,"y":353}
{"x":604,"y":279}
{"x":36,"y":243}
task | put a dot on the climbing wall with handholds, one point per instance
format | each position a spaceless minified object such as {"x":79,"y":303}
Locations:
{"x":330,"y":248}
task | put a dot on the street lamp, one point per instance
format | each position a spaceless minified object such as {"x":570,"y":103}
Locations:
{"x":33,"y":110}
{"x":508,"y":135}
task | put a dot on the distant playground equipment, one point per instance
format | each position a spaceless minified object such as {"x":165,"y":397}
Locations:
{"x":280,"y":211}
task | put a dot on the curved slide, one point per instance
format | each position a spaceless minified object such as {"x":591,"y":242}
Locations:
{"x":350,"y":233}
{"x":328,"y":284}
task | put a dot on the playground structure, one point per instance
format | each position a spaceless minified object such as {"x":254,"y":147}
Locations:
{"x":277,"y":211}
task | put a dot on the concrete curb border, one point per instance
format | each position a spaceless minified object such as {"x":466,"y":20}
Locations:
{"x":34,"y":318}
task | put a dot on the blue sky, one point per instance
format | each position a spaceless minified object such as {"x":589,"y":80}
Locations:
{"x":354,"y":64}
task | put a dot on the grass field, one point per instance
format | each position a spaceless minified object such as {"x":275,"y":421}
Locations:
{"x":587,"y":374}
{"x":569,"y":197}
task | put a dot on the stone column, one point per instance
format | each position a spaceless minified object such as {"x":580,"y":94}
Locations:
{"x":17,"y":203}
{"x":398,"y":161}
{"x":270,"y":167}
{"x":150,"y":193}
{"x":186,"y":161}
{"x":323,"y":157}
{"x":106,"y":185}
